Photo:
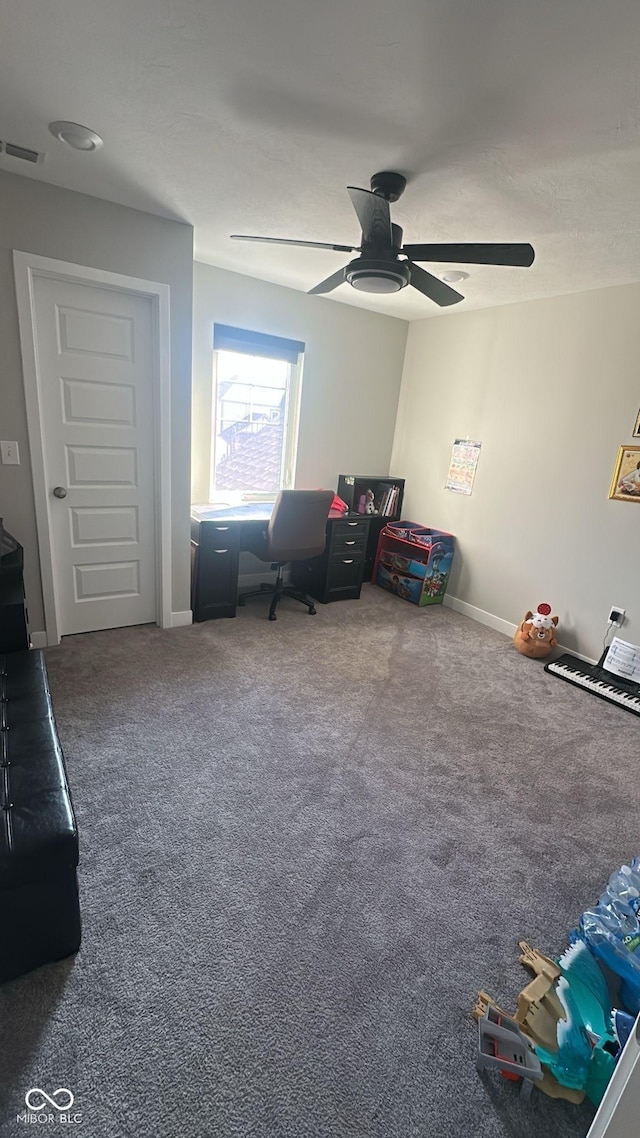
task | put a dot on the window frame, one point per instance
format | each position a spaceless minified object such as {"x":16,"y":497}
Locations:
{"x":290,"y":433}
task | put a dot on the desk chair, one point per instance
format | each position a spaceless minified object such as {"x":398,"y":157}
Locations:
{"x":296,"y":531}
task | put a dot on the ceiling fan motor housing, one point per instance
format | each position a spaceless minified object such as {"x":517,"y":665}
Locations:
{"x":388,"y":185}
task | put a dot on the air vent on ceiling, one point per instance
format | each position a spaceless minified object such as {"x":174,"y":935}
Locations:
{"x":11,"y":150}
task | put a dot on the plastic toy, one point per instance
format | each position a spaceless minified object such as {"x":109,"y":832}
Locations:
{"x":536,"y":634}
{"x":502,"y":1045}
{"x":565,"y":1015}
{"x":369,"y":506}
{"x":623,"y":1025}
{"x":583,"y":1055}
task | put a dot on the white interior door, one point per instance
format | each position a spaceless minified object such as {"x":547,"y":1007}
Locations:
{"x":94,"y":352}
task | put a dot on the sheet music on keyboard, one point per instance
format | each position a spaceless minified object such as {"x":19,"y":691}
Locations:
{"x":623,"y":659}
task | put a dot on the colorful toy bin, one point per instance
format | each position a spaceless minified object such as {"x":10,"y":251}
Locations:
{"x":414,"y":562}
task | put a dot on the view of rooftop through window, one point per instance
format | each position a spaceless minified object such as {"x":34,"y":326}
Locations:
{"x":249,"y":431}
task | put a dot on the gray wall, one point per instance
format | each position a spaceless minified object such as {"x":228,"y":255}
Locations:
{"x":551,"y":388}
{"x":351,"y":378}
{"x":43,"y":219}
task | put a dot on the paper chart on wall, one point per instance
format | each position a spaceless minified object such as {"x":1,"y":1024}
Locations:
{"x":462,"y":468}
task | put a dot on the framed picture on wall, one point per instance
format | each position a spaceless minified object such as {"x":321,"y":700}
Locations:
{"x":625,"y":484}
{"x":636,"y":429}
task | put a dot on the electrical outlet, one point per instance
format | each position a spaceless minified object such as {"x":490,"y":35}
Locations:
{"x":10,"y":454}
{"x":616,"y":615}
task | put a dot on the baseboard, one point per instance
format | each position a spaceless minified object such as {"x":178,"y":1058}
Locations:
{"x":254,"y":580}
{"x":480,"y":615}
{"x":180,"y":619}
{"x":500,"y":625}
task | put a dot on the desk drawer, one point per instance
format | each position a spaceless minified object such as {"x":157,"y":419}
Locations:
{"x":348,"y":545}
{"x":219,"y":535}
{"x":330,"y":577}
{"x":345,"y":572}
{"x":351,"y":527}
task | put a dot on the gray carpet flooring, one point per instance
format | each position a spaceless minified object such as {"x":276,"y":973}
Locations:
{"x":305,"y":846}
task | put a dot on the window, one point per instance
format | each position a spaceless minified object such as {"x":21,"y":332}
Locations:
{"x":255,"y":413}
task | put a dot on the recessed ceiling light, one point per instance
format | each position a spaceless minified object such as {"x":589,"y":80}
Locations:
{"x":454,"y":276}
{"x":75,"y":135}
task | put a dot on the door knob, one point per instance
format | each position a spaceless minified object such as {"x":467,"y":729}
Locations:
{"x":59,"y":492}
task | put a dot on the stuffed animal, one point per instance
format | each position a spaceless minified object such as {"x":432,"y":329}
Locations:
{"x":536,"y":634}
{"x":370,"y":504}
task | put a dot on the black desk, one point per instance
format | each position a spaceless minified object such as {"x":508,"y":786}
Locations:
{"x":218,"y":536}
{"x":14,"y":632}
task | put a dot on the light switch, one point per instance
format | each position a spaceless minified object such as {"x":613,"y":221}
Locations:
{"x":10,"y":454}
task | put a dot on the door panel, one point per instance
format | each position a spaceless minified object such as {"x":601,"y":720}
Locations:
{"x":95,"y":375}
{"x":108,"y":580}
{"x":109,"y":404}
{"x":98,"y":467}
{"x":94,"y":333}
{"x":106,"y":524}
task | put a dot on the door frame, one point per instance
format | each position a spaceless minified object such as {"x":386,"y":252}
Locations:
{"x":28,"y":266}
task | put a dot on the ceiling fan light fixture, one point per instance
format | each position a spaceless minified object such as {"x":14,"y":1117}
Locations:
{"x":377,"y":277}
{"x":375,"y":282}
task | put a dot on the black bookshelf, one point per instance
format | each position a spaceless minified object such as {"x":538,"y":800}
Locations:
{"x":352,"y":488}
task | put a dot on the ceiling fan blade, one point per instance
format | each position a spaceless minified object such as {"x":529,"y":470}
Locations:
{"x":373,"y":215}
{"x":330,"y":283}
{"x":433,"y":287}
{"x":304,"y":244}
{"x":467,"y":254}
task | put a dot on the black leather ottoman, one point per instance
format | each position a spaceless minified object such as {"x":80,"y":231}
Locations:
{"x":39,"y":910}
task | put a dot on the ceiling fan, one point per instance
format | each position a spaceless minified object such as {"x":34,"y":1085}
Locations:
{"x":384,"y":264}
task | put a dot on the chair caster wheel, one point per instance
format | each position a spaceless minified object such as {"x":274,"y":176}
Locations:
{"x":272,"y":616}
{"x":312,"y":612}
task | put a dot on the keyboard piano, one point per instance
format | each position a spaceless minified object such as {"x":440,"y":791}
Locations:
{"x":595,"y":679}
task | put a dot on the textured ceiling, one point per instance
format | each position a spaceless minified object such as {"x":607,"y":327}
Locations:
{"x":513,"y":121}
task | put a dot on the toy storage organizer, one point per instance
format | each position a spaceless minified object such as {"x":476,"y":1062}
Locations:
{"x":414,"y":562}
